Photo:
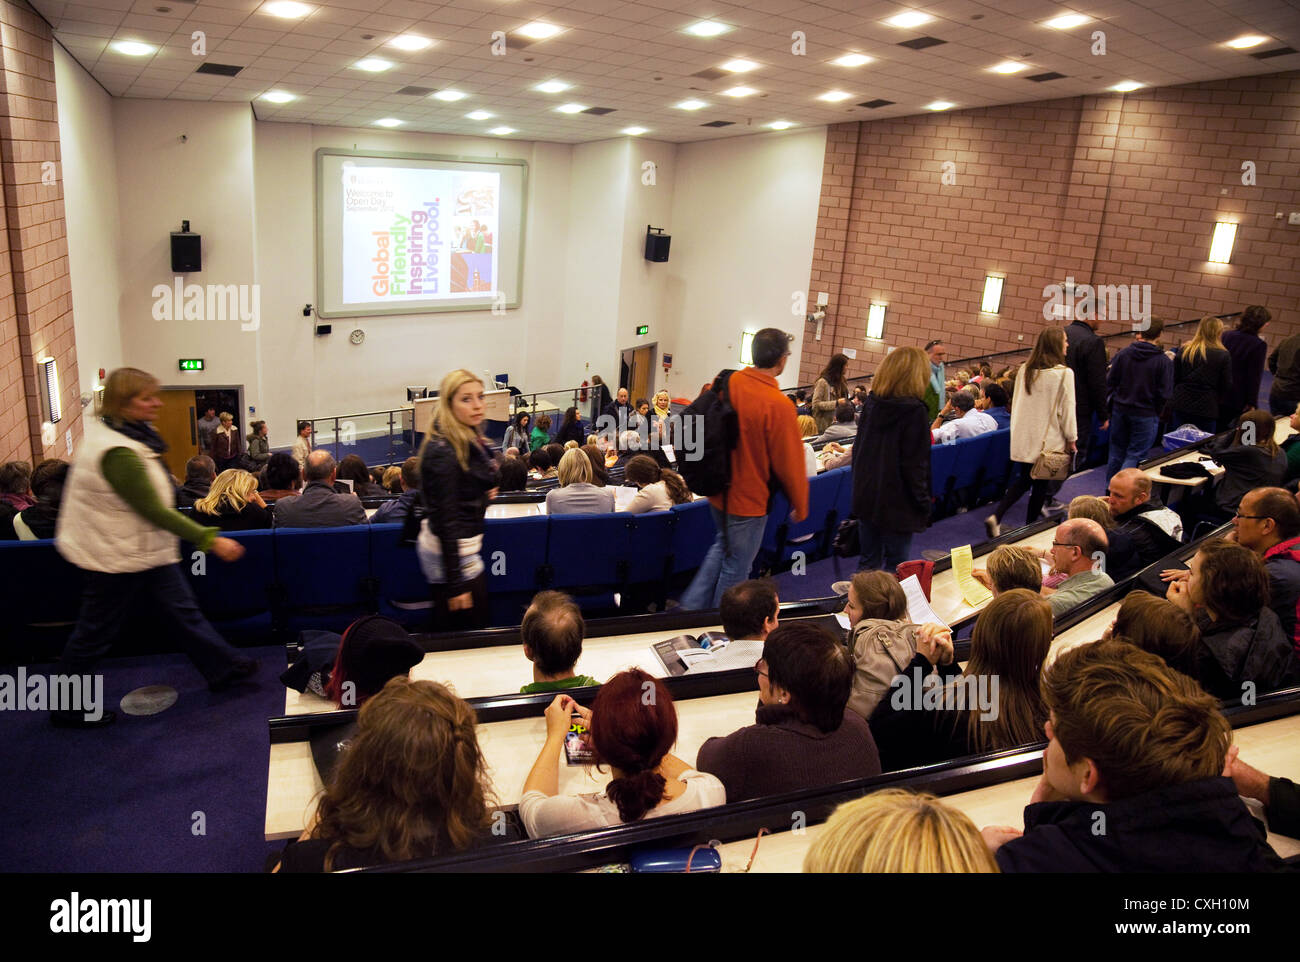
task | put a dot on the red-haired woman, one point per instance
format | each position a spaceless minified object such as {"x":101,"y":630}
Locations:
{"x":633,"y":724}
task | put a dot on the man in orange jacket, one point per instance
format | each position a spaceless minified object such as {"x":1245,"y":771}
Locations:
{"x":769,"y":446}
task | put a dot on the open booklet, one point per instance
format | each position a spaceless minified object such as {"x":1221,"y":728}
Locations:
{"x":710,"y":651}
{"x":919,"y":611}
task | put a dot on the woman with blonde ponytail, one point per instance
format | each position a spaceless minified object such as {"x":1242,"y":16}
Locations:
{"x":632,"y":725}
{"x":458,"y":478}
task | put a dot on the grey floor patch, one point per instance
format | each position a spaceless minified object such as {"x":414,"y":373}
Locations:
{"x":149,"y":700}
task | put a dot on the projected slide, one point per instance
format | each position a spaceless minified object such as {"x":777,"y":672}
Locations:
{"x":403,"y":234}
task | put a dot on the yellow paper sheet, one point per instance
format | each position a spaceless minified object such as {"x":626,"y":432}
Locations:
{"x":972,"y":592}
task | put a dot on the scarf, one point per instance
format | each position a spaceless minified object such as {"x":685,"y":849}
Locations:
{"x":664,"y":411}
{"x":139,"y":431}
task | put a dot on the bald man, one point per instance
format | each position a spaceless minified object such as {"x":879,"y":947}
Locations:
{"x":1078,"y":551}
{"x":1152,"y":529}
{"x":319,"y":506}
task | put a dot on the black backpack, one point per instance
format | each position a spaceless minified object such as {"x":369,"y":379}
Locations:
{"x":710,"y":473}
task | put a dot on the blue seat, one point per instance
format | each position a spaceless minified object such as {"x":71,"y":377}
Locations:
{"x":997,"y":464}
{"x":589,"y":553}
{"x":404,"y":594}
{"x":514,"y":553}
{"x":811,"y":536}
{"x":943,"y":462}
{"x":44,"y":588}
{"x":240,"y":596}
{"x":843,"y":493}
{"x":969,"y":467}
{"x":769,"y":549}
{"x":693,"y":535}
{"x":649,"y":554}
{"x":325,"y":576}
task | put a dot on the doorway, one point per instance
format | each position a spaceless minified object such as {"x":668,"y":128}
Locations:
{"x":178,"y":420}
{"x":638,"y":371}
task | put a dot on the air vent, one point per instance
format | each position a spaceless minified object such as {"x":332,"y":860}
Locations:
{"x":219,"y":69}
{"x":1040,"y":77}
{"x":873,"y":104}
{"x":416,"y":91}
{"x":718,"y":123}
{"x":1279,"y":52}
{"x":712,"y":73}
{"x":598,"y":111}
{"x":920,"y":43}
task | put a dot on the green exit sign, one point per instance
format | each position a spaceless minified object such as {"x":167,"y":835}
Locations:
{"x":642,"y":330}
{"x":191,"y":364}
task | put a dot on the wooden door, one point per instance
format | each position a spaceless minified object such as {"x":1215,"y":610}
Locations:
{"x":177,"y":423}
{"x":639,"y":379}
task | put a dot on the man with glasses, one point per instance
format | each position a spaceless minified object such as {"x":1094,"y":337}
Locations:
{"x":1268,"y":523}
{"x":1152,"y":529}
{"x":1079,"y":552}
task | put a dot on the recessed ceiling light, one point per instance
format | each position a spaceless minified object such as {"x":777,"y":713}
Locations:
{"x":133,"y":48}
{"x":834,"y":96}
{"x":707,"y":28}
{"x":781,"y":125}
{"x":740,"y":91}
{"x":553,"y":87}
{"x":909,"y":18}
{"x":852,"y":60}
{"x":940,"y":105}
{"x":539,"y":30}
{"x":1067,"y":21}
{"x":410,"y":41}
{"x":633,"y":131}
{"x":277,"y":97}
{"x":449,"y":95}
{"x":479,"y":115}
{"x":1246,"y":42}
{"x":690,"y":105}
{"x":388,"y":122}
{"x":286,"y":9}
{"x":501,"y":131}
{"x":740,"y":66}
{"x":571,"y":108}
{"x":1127,"y":86}
{"x":372,"y":65}
{"x":1009,"y":66}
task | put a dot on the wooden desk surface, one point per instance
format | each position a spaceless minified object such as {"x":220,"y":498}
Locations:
{"x":945,"y":596}
{"x":502,"y":670}
{"x":1281,"y":431}
{"x":1269,"y":747}
{"x":1085,"y":632}
{"x":509,"y":747}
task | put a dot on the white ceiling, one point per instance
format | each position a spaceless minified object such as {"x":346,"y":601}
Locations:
{"x":634,"y":57}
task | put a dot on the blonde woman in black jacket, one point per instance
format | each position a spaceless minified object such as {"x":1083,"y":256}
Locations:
{"x":458,"y":478}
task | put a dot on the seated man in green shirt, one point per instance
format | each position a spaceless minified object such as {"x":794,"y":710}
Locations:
{"x":1079,"y":552}
{"x":552,"y":632}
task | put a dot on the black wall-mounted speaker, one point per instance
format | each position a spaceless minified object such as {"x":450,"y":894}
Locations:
{"x":656,"y":246}
{"x":187,"y":252}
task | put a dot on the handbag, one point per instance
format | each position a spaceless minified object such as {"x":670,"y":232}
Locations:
{"x":1052,"y":465}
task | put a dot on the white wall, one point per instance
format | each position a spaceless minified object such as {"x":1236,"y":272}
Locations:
{"x":90,"y":202}
{"x":742,"y":214}
{"x":744,"y":219}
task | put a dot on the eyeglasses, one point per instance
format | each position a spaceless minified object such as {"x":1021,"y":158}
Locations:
{"x":1251,"y":517}
{"x":1064,"y":544}
{"x":759,"y":666}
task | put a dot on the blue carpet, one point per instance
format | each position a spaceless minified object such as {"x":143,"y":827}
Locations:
{"x":123,"y":798}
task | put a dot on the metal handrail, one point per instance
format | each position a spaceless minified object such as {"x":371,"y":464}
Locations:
{"x":957,"y":362}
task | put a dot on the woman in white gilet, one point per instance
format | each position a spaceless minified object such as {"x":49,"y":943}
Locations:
{"x":1042,"y":419}
{"x":118,"y":524}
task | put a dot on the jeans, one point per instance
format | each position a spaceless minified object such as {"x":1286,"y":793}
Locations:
{"x":724,"y":567}
{"x":1131,"y":437}
{"x":1020,"y":483}
{"x":108,"y":597}
{"x":882,"y":550}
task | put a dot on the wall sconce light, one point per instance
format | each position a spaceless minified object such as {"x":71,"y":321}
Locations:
{"x":50,"y":389}
{"x":1221,"y":245}
{"x":747,"y":347}
{"x":876,"y":320}
{"x":992,"y":302}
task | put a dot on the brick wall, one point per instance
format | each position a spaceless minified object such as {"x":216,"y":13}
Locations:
{"x":1106,"y":189}
{"x":35,"y":289}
